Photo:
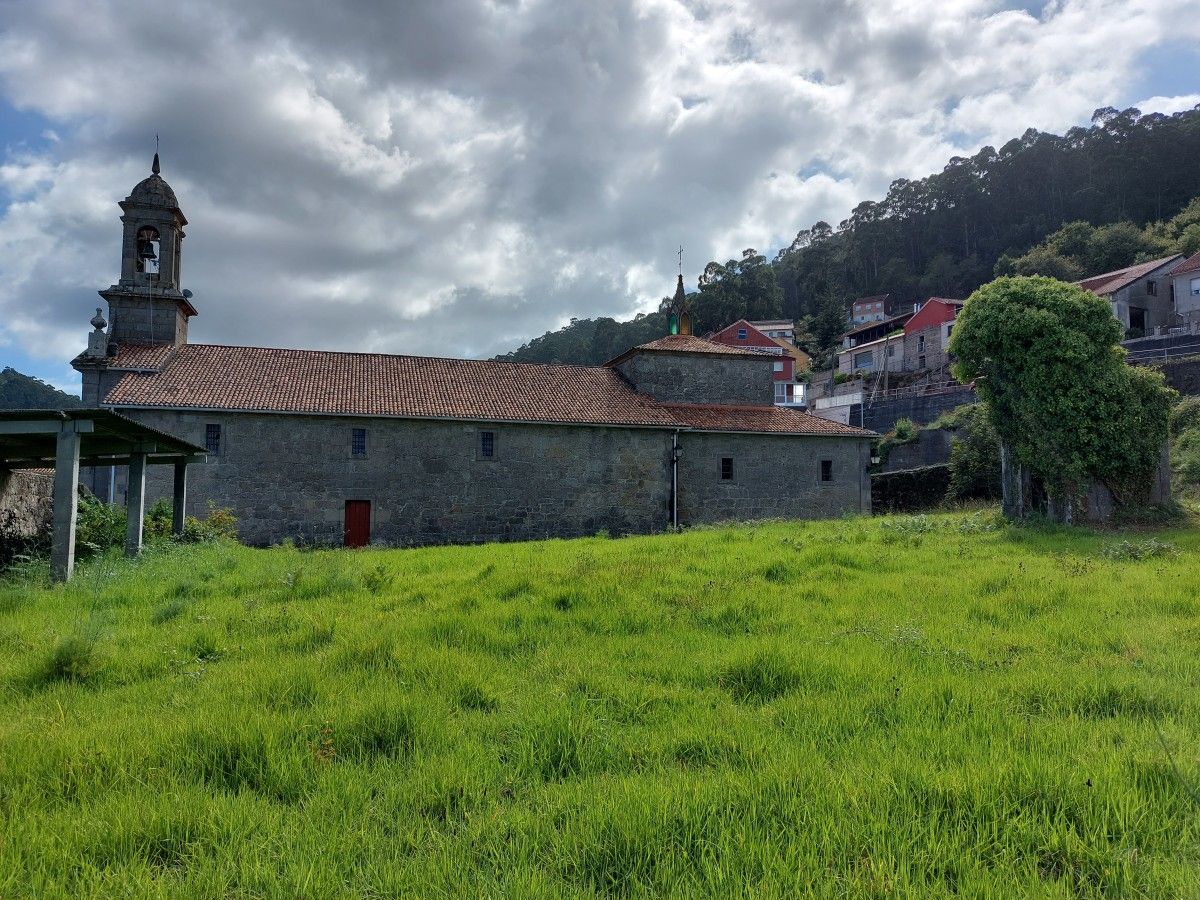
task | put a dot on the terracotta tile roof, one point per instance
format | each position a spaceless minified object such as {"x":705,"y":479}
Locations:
{"x":206,"y":376}
{"x":311,"y":381}
{"x":773,"y":419}
{"x":1111,"y":282}
{"x":1191,"y":264}
{"x":689,"y":343}
{"x":141,"y":356}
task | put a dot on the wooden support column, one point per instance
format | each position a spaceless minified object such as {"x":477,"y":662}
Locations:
{"x":180,"y":502}
{"x":66,"y":503}
{"x":135,"y":504}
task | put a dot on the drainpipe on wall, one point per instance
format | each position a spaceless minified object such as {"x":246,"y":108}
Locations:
{"x":675,"y":480}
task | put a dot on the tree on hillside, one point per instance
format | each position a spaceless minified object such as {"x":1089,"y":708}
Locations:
{"x":954,"y":230}
{"x":743,"y":288}
{"x":1045,"y":359}
{"x":19,"y":391}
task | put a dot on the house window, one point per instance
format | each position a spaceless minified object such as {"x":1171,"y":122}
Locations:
{"x":781,"y":392}
{"x":741,"y":334}
{"x":1195,"y":287}
{"x":827,"y":470}
{"x":921,"y":343}
{"x":358,"y":443}
{"x":863,"y":360}
{"x":891,"y":349}
{"x":777,"y":366}
{"x":921,"y":361}
{"x":212,"y":439}
{"x":487,"y":444}
{"x":727,"y":468}
{"x":1152,"y":288}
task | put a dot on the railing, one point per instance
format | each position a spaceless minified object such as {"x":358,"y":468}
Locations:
{"x":1163,"y":353}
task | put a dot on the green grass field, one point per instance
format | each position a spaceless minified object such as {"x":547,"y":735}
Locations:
{"x":915,"y":707}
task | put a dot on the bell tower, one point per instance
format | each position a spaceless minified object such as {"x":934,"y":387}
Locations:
{"x":146,"y":305}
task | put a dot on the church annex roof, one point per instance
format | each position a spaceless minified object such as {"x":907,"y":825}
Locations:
{"x":683,"y":343}
{"x":315,"y":382}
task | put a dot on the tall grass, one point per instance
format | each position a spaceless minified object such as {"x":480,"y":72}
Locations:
{"x":927,"y":707}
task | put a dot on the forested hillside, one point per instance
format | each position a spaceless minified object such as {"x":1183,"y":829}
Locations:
{"x":19,"y":391}
{"x":947,"y":233}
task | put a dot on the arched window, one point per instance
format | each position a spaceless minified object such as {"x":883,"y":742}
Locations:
{"x":147,"y":250}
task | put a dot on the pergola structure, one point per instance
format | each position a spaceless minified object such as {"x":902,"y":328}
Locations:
{"x":64,"y":439}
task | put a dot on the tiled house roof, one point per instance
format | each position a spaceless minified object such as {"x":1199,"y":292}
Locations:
{"x":257,"y":379}
{"x":1111,"y":282}
{"x":1191,"y":264}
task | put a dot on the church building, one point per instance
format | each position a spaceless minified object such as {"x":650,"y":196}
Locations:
{"x":341,"y":448}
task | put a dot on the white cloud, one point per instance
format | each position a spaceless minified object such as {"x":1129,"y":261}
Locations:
{"x":456,"y":176}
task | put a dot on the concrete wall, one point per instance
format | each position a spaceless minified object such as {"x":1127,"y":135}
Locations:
{"x":702,"y":377}
{"x":773,"y":477}
{"x":1158,"y":306}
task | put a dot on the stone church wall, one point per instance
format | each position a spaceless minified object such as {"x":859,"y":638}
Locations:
{"x":773,"y":477}
{"x":289,"y":476}
{"x":702,"y":378}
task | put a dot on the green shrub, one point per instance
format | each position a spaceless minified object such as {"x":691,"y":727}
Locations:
{"x":1138,"y":550}
{"x":99,"y":526}
{"x":220,"y":523}
{"x":905,"y":430}
{"x":1185,"y":416}
{"x":974,"y":456}
{"x":72,"y":659}
{"x":1185,"y":461}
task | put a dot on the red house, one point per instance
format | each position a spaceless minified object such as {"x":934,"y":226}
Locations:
{"x":927,"y":334}
{"x":742,"y":334}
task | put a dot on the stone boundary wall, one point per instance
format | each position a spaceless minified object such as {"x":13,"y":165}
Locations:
{"x":882,"y":415}
{"x":26,"y":508}
{"x":910,"y":490}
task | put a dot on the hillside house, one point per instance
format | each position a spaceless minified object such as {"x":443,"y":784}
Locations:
{"x":777,"y":328}
{"x":1140,"y":295}
{"x":1185,"y":292}
{"x":360,"y":448}
{"x":876,"y":308}
{"x":927,"y":334}
{"x":785,"y":361}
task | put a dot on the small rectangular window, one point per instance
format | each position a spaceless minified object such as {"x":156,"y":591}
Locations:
{"x":921,"y":343}
{"x":827,"y":470}
{"x":777,"y":366}
{"x":741,"y":334}
{"x":727,"y":468}
{"x":358,"y":442}
{"x":1152,"y":288}
{"x":212,"y":439}
{"x":487,"y":444}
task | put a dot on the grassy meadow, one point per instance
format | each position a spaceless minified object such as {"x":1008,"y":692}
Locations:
{"x":900,"y":706}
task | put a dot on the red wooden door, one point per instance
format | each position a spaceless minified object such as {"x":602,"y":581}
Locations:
{"x":358,"y":523}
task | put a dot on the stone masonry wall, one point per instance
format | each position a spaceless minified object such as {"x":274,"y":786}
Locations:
{"x":702,"y":377}
{"x":290,"y":476}
{"x":25,"y":502}
{"x":773,"y":477}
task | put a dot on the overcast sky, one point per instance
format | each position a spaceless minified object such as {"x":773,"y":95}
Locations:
{"x":455,"y":177}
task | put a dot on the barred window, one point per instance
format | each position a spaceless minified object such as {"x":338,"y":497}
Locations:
{"x":212,"y":439}
{"x":358,"y":442}
{"x":487,"y":444}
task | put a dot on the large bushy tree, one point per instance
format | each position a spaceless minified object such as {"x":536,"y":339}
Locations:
{"x":1045,"y":358}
